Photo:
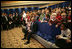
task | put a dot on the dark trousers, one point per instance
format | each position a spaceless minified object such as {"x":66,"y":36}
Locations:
{"x":1,"y":26}
{"x":69,"y":25}
{"x":11,"y":26}
{"x":28,"y":35}
{"x":19,"y":23}
{"x":62,"y":43}
{"x":5,"y":26}
{"x":16,"y":24}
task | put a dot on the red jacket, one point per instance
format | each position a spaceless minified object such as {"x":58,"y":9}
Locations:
{"x":69,"y":17}
{"x":28,"y":17}
{"x":59,"y":18}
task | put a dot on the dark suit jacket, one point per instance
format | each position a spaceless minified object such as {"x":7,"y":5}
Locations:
{"x":34,"y":27}
{"x":4,"y":20}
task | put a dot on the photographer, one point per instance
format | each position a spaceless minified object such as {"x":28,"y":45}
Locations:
{"x":64,"y":39}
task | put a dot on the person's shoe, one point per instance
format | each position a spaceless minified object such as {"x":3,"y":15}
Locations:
{"x":26,"y":43}
{"x":23,"y":38}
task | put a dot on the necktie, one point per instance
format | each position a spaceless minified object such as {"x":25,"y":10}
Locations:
{"x":6,"y":18}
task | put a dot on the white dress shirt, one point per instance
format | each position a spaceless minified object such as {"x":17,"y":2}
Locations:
{"x":24,"y":15}
{"x":66,"y":33}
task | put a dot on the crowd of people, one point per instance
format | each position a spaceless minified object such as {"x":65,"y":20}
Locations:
{"x":10,"y":21}
{"x":58,"y":16}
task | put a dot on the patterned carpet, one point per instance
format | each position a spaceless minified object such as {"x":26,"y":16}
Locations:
{"x":12,"y":39}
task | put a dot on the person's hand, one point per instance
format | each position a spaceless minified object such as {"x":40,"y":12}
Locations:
{"x":45,"y":21}
{"x":68,"y":41}
{"x":29,"y":31}
{"x":58,"y":37}
{"x":69,"y":20}
{"x":50,"y":24}
{"x":26,"y":22}
{"x":41,"y":21}
{"x":56,"y":26}
{"x":9,"y":22}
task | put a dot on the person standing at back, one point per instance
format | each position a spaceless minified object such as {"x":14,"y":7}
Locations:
{"x":23,"y":18}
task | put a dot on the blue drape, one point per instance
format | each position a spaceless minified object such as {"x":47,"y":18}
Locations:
{"x":48,"y":32}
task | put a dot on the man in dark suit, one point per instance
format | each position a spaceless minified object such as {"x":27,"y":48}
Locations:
{"x":19,"y":20}
{"x":16,"y":20}
{"x":33,"y":29}
{"x":5,"y":21}
{"x":13,"y":19}
{"x":10,"y":21}
{"x":2,"y":21}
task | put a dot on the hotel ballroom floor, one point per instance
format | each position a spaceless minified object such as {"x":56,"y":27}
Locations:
{"x":12,"y":39}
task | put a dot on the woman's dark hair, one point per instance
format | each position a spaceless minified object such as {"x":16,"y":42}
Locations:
{"x":49,"y":9}
{"x":65,"y":25}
